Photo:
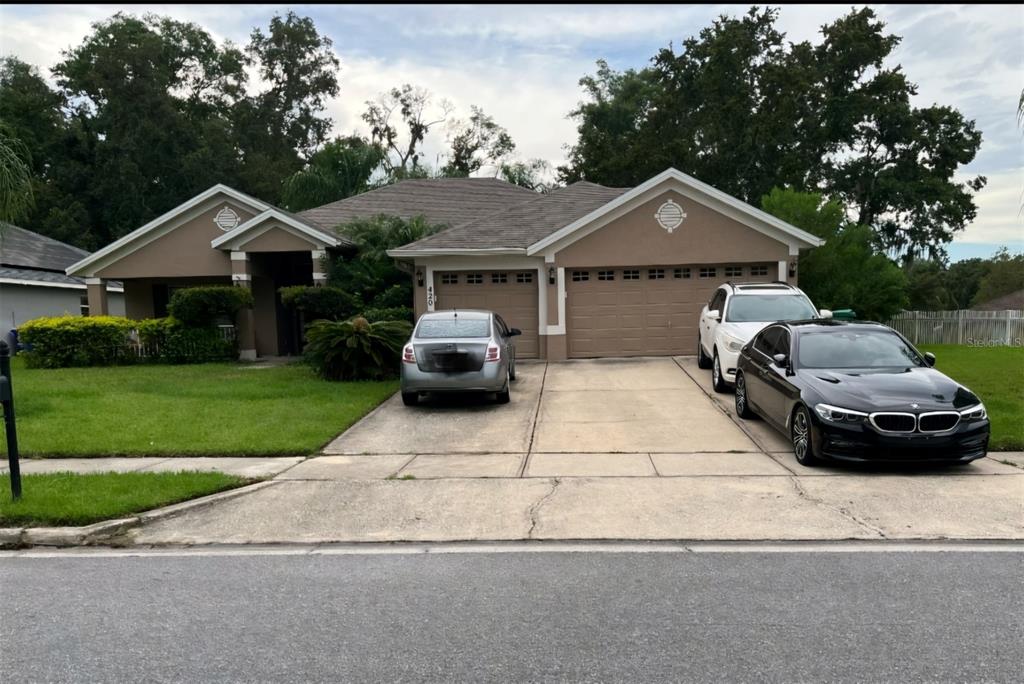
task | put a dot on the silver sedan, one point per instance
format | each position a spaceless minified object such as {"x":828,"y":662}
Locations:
{"x":459,"y":351}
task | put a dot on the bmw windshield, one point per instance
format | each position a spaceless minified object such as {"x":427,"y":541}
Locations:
{"x":856,"y":349}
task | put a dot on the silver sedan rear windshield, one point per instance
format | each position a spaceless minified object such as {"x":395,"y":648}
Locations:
{"x":433,"y":329}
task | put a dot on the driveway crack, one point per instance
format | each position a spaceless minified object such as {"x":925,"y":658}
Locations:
{"x":535,"y":508}
{"x":841,"y":510}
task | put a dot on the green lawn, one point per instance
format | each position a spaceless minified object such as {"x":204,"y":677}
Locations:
{"x":81,"y":499}
{"x":996,"y":374}
{"x":205,"y":409}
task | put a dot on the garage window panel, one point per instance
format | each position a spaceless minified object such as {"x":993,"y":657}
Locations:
{"x":449,"y":278}
{"x":708,"y":272}
{"x":475,"y":278}
{"x":580,"y":276}
{"x":655,"y":273}
{"x":522,"y":278}
{"x":680,"y":273}
{"x":499,"y":277}
{"x":759,"y":270}
{"x":606,"y":275}
{"x":631,"y":274}
{"x":733,"y":271}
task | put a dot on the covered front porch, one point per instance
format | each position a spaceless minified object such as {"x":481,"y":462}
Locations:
{"x":218,"y":238}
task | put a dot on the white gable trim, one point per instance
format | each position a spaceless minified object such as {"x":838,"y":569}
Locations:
{"x":127,"y":244}
{"x":45,"y":283}
{"x":691,"y":188}
{"x":255,"y":227}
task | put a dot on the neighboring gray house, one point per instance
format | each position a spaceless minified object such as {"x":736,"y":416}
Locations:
{"x":33,"y":282}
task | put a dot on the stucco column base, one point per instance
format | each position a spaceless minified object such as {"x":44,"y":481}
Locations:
{"x":96,"y":291}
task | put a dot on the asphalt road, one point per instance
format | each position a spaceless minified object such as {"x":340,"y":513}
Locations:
{"x":512,"y":616}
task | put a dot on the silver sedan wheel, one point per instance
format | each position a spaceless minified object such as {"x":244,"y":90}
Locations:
{"x":801,"y":435}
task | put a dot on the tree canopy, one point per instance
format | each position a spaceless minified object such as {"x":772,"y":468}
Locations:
{"x":744,"y":110}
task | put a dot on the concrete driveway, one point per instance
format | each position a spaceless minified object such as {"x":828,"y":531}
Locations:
{"x":594,"y":417}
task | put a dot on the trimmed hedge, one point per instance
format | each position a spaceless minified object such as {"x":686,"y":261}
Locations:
{"x":202,"y":307}
{"x":167,"y":340}
{"x":392,"y":313}
{"x":315,"y":303}
{"x":63,"y":341}
{"x":66,"y":341}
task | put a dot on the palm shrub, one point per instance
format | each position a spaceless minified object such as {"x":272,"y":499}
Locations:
{"x":356,"y":349}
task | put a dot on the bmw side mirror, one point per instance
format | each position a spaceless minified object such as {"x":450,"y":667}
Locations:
{"x":929,"y":358}
{"x":780,"y":360}
{"x":512,"y":332}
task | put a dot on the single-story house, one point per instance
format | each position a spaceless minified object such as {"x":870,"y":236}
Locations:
{"x":33,"y":281}
{"x":583,"y":271}
{"x":1013,"y":301}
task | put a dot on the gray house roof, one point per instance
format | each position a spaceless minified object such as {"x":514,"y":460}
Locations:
{"x":523,"y":224}
{"x":30,"y":257}
{"x":450,"y":201}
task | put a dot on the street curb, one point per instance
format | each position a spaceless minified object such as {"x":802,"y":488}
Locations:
{"x":97,"y":533}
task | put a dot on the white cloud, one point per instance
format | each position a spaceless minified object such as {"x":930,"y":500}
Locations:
{"x":1000,"y":210}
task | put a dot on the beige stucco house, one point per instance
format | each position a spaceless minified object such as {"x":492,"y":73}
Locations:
{"x":584,"y":271}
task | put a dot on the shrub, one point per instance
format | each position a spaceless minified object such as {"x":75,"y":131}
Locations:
{"x":167,"y":340}
{"x":390,"y":313}
{"x":63,"y":341}
{"x":201,"y":307}
{"x":356,"y":349}
{"x":314,"y":303}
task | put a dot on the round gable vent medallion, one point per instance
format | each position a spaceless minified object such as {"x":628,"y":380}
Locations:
{"x":669,"y":215}
{"x":226,"y":219}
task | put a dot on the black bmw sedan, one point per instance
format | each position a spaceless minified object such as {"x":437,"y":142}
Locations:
{"x":857,"y":392}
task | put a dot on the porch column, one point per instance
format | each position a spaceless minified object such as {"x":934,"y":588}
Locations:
{"x":96,"y":291}
{"x":241,"y":276}
{"x":319,"y":267}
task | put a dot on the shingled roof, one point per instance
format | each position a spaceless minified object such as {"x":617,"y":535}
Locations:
{"x":28,"y":256}
{"x":448,"y":201}
{"x":523,"y":224}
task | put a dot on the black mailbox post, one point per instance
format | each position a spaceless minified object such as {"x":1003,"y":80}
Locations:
{"x":7,"y":400}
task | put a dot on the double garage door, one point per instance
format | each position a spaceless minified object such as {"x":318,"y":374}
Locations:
{"x":643,"y":310}
{"x":511,"y":294}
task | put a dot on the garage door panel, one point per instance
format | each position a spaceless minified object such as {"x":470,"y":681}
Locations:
{"x":514,"y":301}
{"x":639,"y":317}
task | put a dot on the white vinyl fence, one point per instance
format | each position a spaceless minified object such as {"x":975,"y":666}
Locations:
{"x":973,"y":328}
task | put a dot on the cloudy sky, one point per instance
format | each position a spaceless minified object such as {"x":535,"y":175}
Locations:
{"x":522,"y":64}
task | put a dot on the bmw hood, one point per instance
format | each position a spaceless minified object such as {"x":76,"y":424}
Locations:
{"x":889,"y":389}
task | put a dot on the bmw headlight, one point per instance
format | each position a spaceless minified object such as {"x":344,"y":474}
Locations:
{"x":977,"y":412}
{"x":835,"y":414}
{"x":733,"y":344}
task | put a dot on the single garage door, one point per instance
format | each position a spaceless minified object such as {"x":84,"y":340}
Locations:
{"x":643,"y":310}
{"x":511,"y":294}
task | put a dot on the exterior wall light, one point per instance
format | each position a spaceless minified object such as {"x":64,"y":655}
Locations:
{"x":419,"y":277}
{"x":551,"y":275}
{"x":792,"y":268}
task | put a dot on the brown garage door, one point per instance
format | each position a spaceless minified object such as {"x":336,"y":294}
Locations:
{"x":643,"y":310}
{"x":511,"y":294}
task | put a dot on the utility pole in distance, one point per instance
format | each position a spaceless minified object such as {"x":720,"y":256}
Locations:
{"x":7,"y":400}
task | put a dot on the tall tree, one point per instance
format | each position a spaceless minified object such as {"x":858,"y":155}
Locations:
{"x":1005,"y":275}
{"x":146,"y":90}
{"x":342,"y":168}
{"x":744,"y":110}
{"x":847,"y":271}
{"x":399,"y":121}
{"x":475,"y":143}
{"x":281,"y":127}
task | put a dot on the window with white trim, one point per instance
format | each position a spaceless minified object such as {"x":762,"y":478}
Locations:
{"x":759,"y":270}
{"x":526,"y":277}
{"x":631,"y":274}
{"x":680,"y":273}
{"x":83,"y":305}
{"x":499,"y":278}
{"x":733,"y":271}
{"x":580,"y":276}
{"x":449,"y":278}
{"x":655,"y":274}
{"x":474,"y":278}
{"x":708,"y":272}
{"x":606,"y":275}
